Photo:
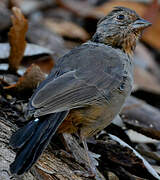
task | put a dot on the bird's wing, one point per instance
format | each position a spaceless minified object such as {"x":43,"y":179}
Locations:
{"x":77,"y":87}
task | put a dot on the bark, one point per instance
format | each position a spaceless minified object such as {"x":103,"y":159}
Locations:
{"x":51,"y":165}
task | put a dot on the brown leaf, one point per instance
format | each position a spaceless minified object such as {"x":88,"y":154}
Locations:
{"x":45,"y":63}
{"x":32,"y":77}
{"x":67,"y":29}
{"x":17,"y":39}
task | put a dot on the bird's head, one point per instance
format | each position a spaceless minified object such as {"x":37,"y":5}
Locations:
{"x":121,"y":28}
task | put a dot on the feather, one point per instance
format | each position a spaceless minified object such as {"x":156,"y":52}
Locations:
{"x":33,"y":145}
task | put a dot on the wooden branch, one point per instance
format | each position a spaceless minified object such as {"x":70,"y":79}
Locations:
{"x":51,"y":165}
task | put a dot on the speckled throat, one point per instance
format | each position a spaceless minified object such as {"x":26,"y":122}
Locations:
{"x":126,"y":42}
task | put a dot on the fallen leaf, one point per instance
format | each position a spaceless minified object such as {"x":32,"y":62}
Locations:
{"x":67,"y":29}
{"x":32,"y":77}
{"x":17,"y":41}
{"x":33,"y":54}
{"x":39,"y":34}
{"x":141,"y":117}
{"x":46,"y":63}
{"x":30,"y":50}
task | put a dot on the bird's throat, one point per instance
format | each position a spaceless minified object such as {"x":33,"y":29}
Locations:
{"x":126,"y":43}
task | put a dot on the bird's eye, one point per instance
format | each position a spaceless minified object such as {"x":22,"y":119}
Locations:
{"x":120,"y":17}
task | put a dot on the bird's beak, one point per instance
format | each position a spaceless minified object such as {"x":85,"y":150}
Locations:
{"x":141,"y":24}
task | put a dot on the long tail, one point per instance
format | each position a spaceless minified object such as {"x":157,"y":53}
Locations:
{"x":32,"y":139}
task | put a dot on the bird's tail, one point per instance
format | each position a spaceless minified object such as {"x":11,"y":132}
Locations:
{"x":32,"y":139}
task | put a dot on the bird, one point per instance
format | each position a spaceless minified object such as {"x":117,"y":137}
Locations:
{"x":85,"y":90}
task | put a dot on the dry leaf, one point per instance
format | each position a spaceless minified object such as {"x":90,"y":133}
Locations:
{"x":32,"y":77}
{"x":30,"y":50}
{"x":17,"y":41}
{"x":39,"y":34}
{"x":67,"y":29}
{"x":141,"y":117}
{"x":45,"y":63}
{"x":33,"y":54}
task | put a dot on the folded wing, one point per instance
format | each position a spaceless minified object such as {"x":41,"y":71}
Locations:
{"x":78,"y":86}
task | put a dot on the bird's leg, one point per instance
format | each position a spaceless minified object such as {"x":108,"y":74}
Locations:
{"x":92,"y":167}
{"x":79,"y":154}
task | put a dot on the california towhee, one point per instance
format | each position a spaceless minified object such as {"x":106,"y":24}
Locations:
{"x":85,"y":90}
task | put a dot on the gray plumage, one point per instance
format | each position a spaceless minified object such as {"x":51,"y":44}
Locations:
{"x":86,"y":75}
